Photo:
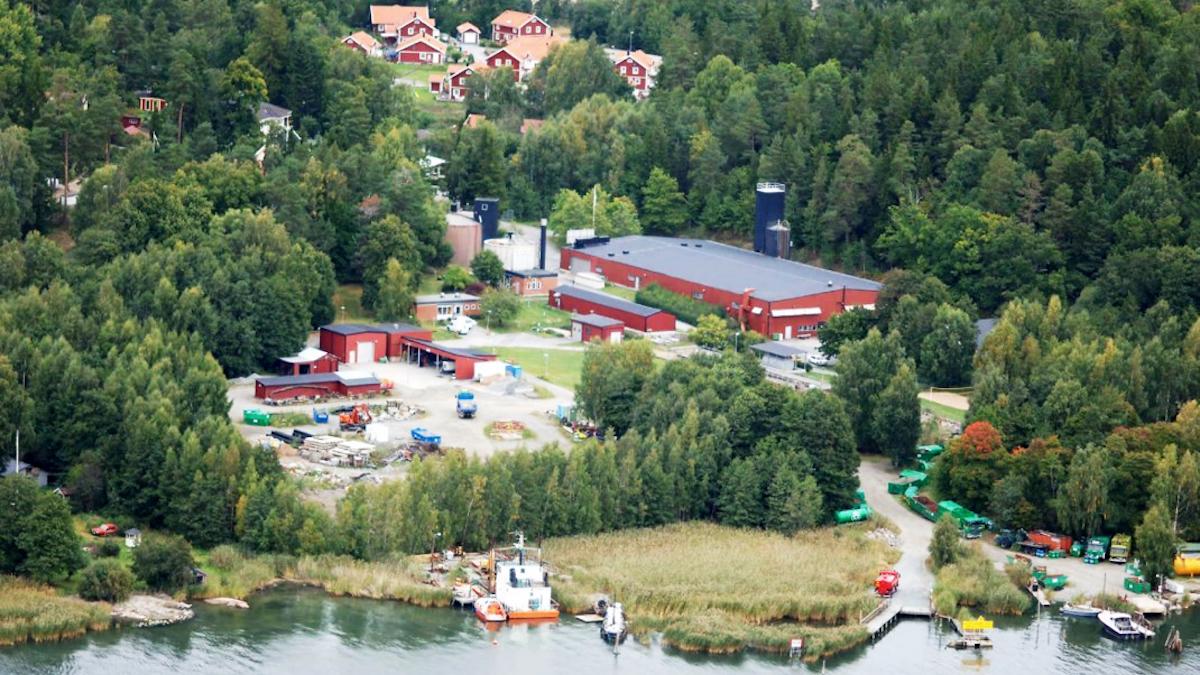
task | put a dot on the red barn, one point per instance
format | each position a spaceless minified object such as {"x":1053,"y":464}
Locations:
{"x":363,"y":343}
{"x":420,"y":49}
{"x":772,"y":296}
{"x":512,"y":24}
{"x":635,"y":316}
{"x":396,"y":23}
{"x":588,"y":327}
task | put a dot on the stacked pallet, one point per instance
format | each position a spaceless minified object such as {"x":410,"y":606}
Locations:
{"x":319,"y":448}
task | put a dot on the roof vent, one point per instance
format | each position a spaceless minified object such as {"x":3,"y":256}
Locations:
{"x":699,"y":245}
{"x":830,"y":283}
{"x":612,"y":255}
{"x":683,"y":243}
{"x":624,"y":252}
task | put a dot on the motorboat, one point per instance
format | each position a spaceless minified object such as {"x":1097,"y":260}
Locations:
{"x":490,"y":609}
{"x":1122,"y":626}
{"x":614,"y":630}
{"x":1080,"y":611}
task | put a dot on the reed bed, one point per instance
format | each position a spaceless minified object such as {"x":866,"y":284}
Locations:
{"x":30,"y":612}
{"x":719,"y":589}
{"x":974,"y":582}
{"x":236,"y":575}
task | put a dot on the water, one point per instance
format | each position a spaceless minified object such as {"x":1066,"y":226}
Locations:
{"x":298,"y":632}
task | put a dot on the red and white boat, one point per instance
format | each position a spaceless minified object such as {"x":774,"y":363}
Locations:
{"x":490,"y":609}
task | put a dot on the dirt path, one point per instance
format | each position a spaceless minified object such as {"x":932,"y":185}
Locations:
{"x":916,"y":581}
{"x":947,"y":398}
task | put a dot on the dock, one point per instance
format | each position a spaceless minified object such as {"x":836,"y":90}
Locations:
{"x":1039,"y":595}
{"x":973,"y":637}
{"x":889,"y":613}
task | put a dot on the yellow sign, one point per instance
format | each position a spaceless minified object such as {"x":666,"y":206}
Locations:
{"x":977,"y":624}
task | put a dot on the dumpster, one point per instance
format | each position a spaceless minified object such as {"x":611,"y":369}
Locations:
{"x":854,"y":515}
{"x":256,"y":417}
{"x":1137,"y":585}
{"x":320,"y":416}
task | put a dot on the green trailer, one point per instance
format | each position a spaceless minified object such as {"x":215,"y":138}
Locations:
{"x":908,"y":478}
{"x":256,"y":417}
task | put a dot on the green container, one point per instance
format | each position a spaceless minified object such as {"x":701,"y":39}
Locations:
{"x":1137,"y":585}
{"x":1076,"y":549}
{"x":854,"y":515}
{"x":928,"y":452}
{"x":1056,"y":553}
{"x":256,"y":418}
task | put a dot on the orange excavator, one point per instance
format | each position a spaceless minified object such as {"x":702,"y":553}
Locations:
{"x":356,"y":419}
{"x":743,"y":308}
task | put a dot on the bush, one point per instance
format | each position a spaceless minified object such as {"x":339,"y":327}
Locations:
{"x":108,"y":548}
{"x":164,"y":562}
{"x":106,"y":580}
{"x":225,"y":556}
{"x":688,"y":310}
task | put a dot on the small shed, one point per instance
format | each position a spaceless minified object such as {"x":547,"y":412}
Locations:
{"x":26,"y":469}
{"x":531,"y":282}
{"x":777,"y":355}
{"x":589,"y":327}
{"x":468,"y":33}
{"x":133,"y":537}
{"x":637,"y":317}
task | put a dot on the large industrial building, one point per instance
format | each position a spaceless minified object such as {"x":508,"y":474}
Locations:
{"x":763,"y":289}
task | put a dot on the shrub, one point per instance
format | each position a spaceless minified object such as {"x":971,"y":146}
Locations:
{"x":106,"y":580}
{"x":688,"y":310}
{"x":108,"y":548}
{"x":225,"y":556}
{"x":164,"y":562}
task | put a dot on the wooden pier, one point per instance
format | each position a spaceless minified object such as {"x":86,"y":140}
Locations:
{"x":889,"y":613}
{"x":1038,"y":594}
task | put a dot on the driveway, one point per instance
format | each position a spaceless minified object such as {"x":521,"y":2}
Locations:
{"x":916,"y":581}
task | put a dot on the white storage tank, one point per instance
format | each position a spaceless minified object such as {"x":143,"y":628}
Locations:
{"x":515,"y":254}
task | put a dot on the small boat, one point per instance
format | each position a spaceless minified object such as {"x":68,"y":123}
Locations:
{"x":1121,"y":626}
{"x":887,"y":583}
{"x":1081,"y":611}
{"x":614,"y":630}
{"x":490,"y":609}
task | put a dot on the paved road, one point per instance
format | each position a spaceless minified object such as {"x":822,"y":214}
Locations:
{"x":916,"y":581}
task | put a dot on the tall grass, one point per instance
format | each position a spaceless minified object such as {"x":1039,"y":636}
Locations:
{"x":32,"y":612}
{"x":974,"y":582}
{"x":720,"y":589}
{"x":235,"y":574}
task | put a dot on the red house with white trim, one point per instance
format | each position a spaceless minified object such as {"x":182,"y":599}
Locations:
{"x":772,"y":296}
{"x":637,"y":68}
{"x":511,"y":24}
{"x":420,"y":49}
{"x":363,"y":42}
{"x":455,"y":86}
{"x":396,"y":23}
{"x":522,"y":54}
{"x":589,"y":327}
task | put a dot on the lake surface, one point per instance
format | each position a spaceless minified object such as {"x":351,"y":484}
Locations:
{"x":301,"y":631}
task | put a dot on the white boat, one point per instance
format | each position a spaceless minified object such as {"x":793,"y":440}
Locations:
{"x":614,"y":629}
{"x":1081,"y":611}
{"x":1121,"y":626}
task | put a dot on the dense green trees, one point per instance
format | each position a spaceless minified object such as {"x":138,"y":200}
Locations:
{"x":164,"y":562}
{"x":487,"y":267}
{"x":612,"y":379}
{"x":39,"y":539}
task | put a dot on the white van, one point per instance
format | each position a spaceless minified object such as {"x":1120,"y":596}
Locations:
{"x":460,"y":324}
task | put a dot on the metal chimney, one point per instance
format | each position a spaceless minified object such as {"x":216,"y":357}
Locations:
{"x":542,"y":245}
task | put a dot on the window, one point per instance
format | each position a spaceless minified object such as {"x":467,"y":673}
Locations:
{"x":636,"y":81}
{"x":443,"y":310}
{"x":699,"y":295}
{"x":533,"y":285}
{"x":622,"y":70}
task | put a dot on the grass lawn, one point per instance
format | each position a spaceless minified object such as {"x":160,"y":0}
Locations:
{"x":347,"y":303}
{"x":721,"y":589}
{"x":558,"y":366}
{"x":621,"y":292}
{"x":533,"y":314}
{"x":944,"y":411}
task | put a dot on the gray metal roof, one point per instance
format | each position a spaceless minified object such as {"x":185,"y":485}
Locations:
{"x":777,"y":349}
{"x":455,"y":351}
{"x":535,"y":273}
{"x":596,"y":320}
{"x":270,"y":111}
{"x":445,"y":297}
{"x":606,"y":300}
{"x":352,"y":380}
{"x":725,"y":267}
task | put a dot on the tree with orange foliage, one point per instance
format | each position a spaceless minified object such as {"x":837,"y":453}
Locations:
{"x":971,"y":466}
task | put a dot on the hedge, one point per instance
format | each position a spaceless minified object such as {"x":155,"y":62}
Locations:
{"x":686,"y":309}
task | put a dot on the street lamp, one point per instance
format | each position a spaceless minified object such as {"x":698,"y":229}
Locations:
{"x":433,"y":550}
{"x":545,"y":365}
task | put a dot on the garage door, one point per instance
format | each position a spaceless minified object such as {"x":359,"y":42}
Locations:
{"x":366,"y":352}
{"x":581,"y":264}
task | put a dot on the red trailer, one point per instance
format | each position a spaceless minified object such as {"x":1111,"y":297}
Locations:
{"x":1051,"y":540}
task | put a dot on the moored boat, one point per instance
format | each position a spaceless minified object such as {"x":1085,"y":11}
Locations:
{"x":1122,"y":626}
{"x":1081,"y":611}
{"x":490,"y":609}
{"x":614,"y":630}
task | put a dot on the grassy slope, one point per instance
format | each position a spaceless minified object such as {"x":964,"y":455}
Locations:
{"x":719,"y":589}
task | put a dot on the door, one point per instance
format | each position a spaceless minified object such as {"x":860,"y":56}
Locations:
{"x":787,"y":332}
{"x":577,"y":332}
{"x":366,"y":352}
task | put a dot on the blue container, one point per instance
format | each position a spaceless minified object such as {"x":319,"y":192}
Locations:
{"x":320,"y":416}
{"x":513,"y":370}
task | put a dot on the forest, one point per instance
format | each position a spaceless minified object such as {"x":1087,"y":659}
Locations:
{"x":1031,"y":161}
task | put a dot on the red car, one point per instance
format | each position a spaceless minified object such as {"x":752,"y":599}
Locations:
{"x":105,"y":529}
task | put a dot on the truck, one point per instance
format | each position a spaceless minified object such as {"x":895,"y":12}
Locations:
{"x":970,"y":525}
{"x":1051,"y":540}
{"x":465,"y":406}
{"x":1097,"y":549}
{"x":1118,"y":551}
